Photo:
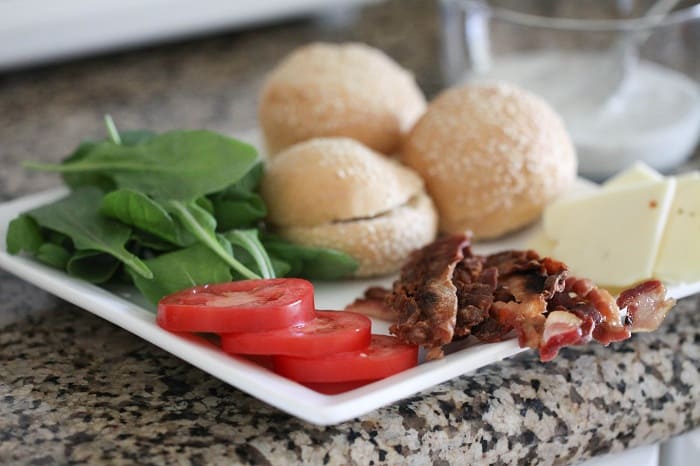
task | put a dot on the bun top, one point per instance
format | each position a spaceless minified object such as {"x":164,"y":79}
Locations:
{"x":348,"y":90}
{"x":328,"y":180}
{"x":492,"y":156}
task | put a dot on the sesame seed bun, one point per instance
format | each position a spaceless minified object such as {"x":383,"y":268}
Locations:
{"x":334,"y":179}
{"x":336,"y":193}
{"x":381,"y":244}
{"x":349,"y":90}
{"x":492,"y":156}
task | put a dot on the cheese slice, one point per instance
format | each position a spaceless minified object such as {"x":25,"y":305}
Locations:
{"x":679,"y":253}
{"x":612,"y":236}
{"x":637,"y":173}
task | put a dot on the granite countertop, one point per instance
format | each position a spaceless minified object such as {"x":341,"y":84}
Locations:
{"x":76,"y":389}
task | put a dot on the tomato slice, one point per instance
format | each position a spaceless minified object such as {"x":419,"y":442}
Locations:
{"x":334,"y":388}
{"x":241,"y":306}
{"x":330,"y":332}
{"x":385,"y":356}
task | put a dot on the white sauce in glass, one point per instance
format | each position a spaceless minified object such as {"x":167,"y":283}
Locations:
{"x":655,"y":116}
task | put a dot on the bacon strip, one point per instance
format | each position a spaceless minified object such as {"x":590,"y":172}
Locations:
{"x":646,"y":306}
{"x":426,"y":298}
{"x":375,"y":304}
{"x":446,"y":293}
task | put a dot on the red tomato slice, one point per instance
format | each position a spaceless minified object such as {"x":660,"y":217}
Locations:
{"x":330,"y":332}
{"x":242,"y":306}
{"x":259,"y":359}
{"x":334,"y":388}
{"x":385,"y":356}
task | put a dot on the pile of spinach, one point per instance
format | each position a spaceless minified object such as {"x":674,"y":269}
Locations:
{"x":165,"y":212}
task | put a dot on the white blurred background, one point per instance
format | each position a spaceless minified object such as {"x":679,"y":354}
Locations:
{"x":43,"y":31}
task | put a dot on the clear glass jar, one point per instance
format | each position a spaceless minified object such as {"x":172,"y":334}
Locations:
{"x":624,"y":80}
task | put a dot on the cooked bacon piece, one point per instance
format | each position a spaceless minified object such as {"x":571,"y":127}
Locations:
{"x":491,"y":330}
{"x":610,"y":325}
{"x":646,"y":306}
{"x":445,"y":292}
{"x":561,"y":329}
{"x":527,"y":318}
{"x":524,"y":283}
{"x":475,"y":288}
{"x":375,"y":304}
{"x":426,"y":298}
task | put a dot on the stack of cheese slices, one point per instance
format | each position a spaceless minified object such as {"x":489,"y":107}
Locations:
{"x":639,"y":225}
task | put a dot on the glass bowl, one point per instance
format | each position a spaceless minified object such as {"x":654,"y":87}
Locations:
{"x":624,"y":79}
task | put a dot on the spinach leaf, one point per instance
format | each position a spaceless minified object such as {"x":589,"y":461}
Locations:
{"x":112,"y":130}
{"x":142,"y":240}
{"x":248,"y":241}
{"x":136,"y":137}
{"x":100,"y":180}
{"x":78,"y":180}
{"x":92,"y":266}
{"x":179,"y":165}
{"x":252,"y":178}
{"x":281,"y":268}
{"x":202,"y":225}
{"x":235,"y":208}
{"x":206,"y":204}
{"x":239,"y":206}
{"x":78,"y":216}
{"x":140,"y":211}
{"x":175,"y":169}
{"x":53,"y":255}
{"x":58,"y":238}
{"x":310,"y":262}
{"x":23,"y":234}
{"x":175,"y":271}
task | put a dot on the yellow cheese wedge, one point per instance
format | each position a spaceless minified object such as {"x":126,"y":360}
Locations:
{"x":679,"y":253}
{"x":637,"y":173}
{"x":612,"y":236}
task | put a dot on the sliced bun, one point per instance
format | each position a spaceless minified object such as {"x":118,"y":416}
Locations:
{"x":349,"y":90}
{"x":380,"y":244}
{"x":492,"y":156}
{"x":334,"y":179}
{"x":336,"y":193}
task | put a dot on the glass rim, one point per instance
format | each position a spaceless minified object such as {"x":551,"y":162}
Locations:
{"x":578,"y":24}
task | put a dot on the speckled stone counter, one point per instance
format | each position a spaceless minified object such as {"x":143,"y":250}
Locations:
{"x":76,"y":389}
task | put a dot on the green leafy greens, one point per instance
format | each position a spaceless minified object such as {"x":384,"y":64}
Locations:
{"x":166,"y":211}
{"x":178,"y":165}
{"x":78,"y":217}
{"x":174,"y":271}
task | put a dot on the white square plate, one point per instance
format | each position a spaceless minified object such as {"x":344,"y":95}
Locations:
{"x":129,"y":311}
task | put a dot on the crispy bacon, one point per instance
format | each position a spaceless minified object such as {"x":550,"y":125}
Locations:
{"x":561,"y":329}
{"x":445,"y":292}
{"x":375,"y":304}
{"x":426,"y":298}
{"x":646,"y":306}
{"x":608,"y":325}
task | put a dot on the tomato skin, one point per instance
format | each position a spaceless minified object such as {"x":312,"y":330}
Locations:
{"x":331,"y":332}
{"x":241,"y":306}
{"x":335,"y":388}
{"x":259,"y":359}
{"x":385,"y":356}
